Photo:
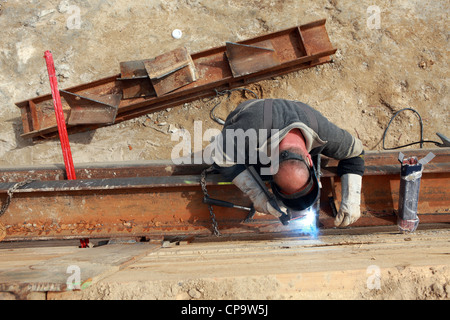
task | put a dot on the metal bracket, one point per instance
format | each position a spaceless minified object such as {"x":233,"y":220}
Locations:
{"x":91,"y":109}
{"x":247,"y":59}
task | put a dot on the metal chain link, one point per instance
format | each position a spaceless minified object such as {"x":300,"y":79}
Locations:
{"x":10,"y":192}
{"x":205,"y":192}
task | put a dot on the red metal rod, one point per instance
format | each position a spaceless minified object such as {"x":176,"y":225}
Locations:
{"x":61,"y":122}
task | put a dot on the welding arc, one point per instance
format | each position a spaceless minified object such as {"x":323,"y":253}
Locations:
{"x":421,"y":141}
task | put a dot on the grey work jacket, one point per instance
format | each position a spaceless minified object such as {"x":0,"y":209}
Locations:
{"x":321,"y":136}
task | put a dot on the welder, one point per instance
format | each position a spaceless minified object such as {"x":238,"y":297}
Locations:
{"x":288,"y":133}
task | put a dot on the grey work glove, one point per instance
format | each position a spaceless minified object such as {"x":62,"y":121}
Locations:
{"x":247,"y":184}
{"x":350,"y":209}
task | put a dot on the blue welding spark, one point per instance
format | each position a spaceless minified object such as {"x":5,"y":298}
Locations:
{"x":306,"y":223}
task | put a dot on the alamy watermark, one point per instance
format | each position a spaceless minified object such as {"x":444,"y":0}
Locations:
{"x":229,"y":147}
{"x":374,"y":19}
{"x":74,"y":280}
{"x":73,"y":20}
{"x":373,"y":281}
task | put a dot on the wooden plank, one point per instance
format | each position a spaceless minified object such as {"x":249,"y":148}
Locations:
{"x":52,"y":269}
{"x":353,"y":264}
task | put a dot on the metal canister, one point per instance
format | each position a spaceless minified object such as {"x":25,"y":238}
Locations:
{"x":410,"y":176}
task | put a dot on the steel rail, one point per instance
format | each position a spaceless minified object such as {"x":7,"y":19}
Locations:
{"x":154,"y":200}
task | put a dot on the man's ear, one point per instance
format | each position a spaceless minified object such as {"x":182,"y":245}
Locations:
{"x":310,"y":162}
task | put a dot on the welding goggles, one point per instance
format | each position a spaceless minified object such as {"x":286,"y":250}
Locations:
{"x":306,"y":197}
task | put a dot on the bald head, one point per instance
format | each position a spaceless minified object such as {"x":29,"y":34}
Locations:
{"x":292,"y":175}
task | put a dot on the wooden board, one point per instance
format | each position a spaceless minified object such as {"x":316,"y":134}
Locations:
{"x":54,"y":269}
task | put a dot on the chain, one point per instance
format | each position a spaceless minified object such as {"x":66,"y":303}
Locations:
{"x":205,"y":192}
{"x":9,"y":194}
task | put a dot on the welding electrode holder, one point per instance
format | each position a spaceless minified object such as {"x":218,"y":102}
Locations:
{"x":410,"y":176}
{"x":284,"y":217}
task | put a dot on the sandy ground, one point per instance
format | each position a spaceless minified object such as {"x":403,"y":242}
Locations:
{"x":377,"y":69}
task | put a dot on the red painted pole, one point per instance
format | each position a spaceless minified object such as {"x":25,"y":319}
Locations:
{"x":61,"y":122}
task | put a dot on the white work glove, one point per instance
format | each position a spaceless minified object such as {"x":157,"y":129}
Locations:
{"x":247,"y":184}
{"x":349,"y":210}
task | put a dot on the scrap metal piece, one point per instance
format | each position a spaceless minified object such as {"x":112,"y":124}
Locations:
{"x":133,"y":70}
{"x":167,"y":63}
{"x":171,"y":70}
{"x":91,"y":109}
{"x":135,"y":80}
{"x":246,"y":59}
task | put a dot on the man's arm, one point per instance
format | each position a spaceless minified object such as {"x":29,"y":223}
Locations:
{"x":341,"y":145}
{"x":351,"y":171}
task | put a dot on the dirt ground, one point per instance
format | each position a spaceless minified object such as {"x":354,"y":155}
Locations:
{"x":378,"y":69}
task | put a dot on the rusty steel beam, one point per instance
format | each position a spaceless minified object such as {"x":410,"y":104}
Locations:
{"x":377,"y":163}
{"x":156,"y":200}
{"x":296,"y":48}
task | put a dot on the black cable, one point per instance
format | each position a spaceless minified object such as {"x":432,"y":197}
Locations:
{"x":421,"y":141}
{"x":221,"y":93}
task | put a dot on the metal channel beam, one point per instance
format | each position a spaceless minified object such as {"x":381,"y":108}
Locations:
{"x":295,"y":48}
{"x":171,"y":203}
